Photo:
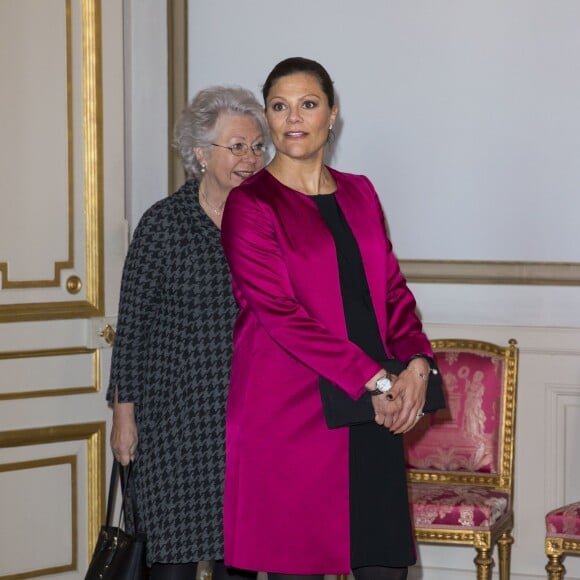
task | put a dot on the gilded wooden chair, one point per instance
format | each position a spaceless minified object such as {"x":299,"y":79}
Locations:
{"x":562,"y":538}
{"x":460,"y":459}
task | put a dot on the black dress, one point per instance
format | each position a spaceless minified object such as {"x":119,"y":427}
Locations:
{"x":380,"y":523}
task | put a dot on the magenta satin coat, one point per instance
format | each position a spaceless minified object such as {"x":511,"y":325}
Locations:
{"x":287,"y":483}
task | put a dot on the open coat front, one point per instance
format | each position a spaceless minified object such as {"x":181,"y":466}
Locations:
{"x":287,"y":480}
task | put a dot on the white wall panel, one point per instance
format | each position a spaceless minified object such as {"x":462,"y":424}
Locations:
{"x":463,"y":114}
{"x":33,"y":493}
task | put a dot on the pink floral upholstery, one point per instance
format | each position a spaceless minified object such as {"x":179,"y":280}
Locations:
{"x":470,"y":508}
{"x":465,"y":435}
{"x":564,"y":522}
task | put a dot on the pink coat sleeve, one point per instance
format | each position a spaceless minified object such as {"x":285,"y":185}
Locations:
{"x":263,"y":289}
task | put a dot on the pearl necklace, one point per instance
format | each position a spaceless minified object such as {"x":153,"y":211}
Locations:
{"x":217,"y":210}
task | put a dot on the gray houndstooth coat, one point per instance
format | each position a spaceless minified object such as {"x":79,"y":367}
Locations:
{"x":172,"y":358}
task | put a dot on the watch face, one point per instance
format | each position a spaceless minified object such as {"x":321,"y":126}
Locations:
{"x":384,"y":385}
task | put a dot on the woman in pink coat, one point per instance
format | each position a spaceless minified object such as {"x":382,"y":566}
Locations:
{"x":322,"y":301}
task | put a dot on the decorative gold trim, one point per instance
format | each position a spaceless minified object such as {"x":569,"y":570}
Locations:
{"x":108,"y":334}
{"x":559,"y":546}
{"x":74,"y":284}
{"x":49,"y":462}
{"x":476,"y":538}
{"x":93,"y":131}
{"x":482,"y":540}
{"x":94,"y":434}
{"x":5,"y":283}
{"x":453,"y":477}
{"x":93,"y":179}
{"x":434,"y":536}
{"x":176,"y":81}
{"x":492,"y":272}
{"x":94,"y":388}
{"x":47,"y":311}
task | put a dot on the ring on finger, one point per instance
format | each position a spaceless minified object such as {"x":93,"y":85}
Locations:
{"x":419,"y":415}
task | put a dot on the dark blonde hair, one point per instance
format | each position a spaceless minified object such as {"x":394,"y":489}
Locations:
{"x":298,"y":64}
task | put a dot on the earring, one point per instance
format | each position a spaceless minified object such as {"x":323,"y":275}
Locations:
{"x":331,"y":136}
{"x":203,"y":167}
{"x":330,"y":127}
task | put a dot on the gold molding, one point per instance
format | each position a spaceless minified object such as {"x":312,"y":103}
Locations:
{"x":93,"y":305}
{"x":456,"y":478}
{"x":70,"y":460}
{"x":492,"y":272}
{"x":470,"y":537}
{"x":176,"y":81}
{"x":93,"y":159}
{"x":94,"y":388}
{"x":94,"y":435}
{"x":435,"y":536}
{"x":48,"y":311}
{"x":560,"y":545}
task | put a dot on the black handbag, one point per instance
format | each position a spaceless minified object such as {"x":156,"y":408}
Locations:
{"x":118,"y":555}
{"x":340,"y":410}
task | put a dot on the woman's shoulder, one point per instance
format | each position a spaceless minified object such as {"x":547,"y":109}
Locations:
{"x":253,"y":189}
{"x":256,"y":182}
{"x":352,"y":183}
{"x":349,"y":178}
{"x":172,"y":208}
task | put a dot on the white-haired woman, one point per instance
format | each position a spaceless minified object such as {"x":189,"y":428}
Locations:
{"x":171,"y":359}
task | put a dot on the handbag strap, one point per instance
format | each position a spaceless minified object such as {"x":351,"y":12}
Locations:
{"x":119,"y":472}
{"x":128,"y":502}
{"x":112,"y":492}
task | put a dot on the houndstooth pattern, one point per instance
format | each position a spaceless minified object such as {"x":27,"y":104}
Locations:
{"x":172,"y":358}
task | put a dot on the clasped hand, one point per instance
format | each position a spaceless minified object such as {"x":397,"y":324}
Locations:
{"x":401,"y":408}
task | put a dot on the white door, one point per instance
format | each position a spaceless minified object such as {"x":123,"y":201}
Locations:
{"x":62,"y":243}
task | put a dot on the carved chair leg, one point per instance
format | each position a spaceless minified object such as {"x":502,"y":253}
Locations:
{"x":483,"y":562}
{"x":504,"y":550}
{"x":555,"y":568}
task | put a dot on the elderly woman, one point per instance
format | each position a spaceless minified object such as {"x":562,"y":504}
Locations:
{"x":171,"y":359}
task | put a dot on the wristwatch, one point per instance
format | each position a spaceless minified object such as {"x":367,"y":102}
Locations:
{"x":383,"y":385}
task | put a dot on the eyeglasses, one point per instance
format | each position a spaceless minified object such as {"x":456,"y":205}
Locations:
{"x":241,"y":149}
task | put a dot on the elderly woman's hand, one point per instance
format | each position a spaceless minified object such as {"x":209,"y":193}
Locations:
{"x":124,"y":437}
{"x":410,"y":388}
